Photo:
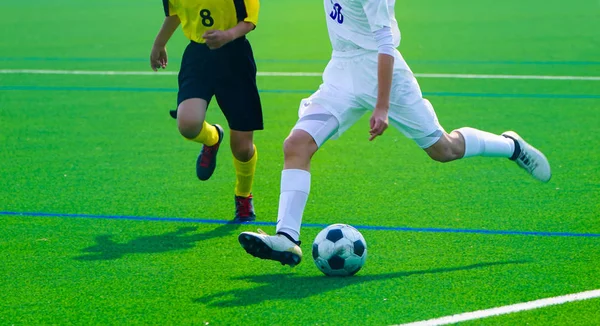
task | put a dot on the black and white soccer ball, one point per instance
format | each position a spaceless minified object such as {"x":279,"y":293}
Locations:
{"x":339,"y":250}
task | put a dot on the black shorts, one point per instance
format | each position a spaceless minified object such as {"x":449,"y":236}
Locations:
{"x":228,"y":73}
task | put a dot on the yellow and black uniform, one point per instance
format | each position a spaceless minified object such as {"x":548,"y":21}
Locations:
{"x":228,"y":73}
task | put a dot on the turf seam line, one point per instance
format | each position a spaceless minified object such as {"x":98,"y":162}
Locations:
{"x":319,"y":61}
{"x":306,"y":225}
{"x":292,"y":74}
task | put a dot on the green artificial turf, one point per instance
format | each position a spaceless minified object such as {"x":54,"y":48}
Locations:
{"x":92,"y":168}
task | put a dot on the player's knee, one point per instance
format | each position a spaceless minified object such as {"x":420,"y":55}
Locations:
{"x":189,"y":128}
{"x":299,"y":144}
{"x":444,"y":151}
{"x":242,"y":145}
{"x":243,"y":152}
{"x":190,"y":117}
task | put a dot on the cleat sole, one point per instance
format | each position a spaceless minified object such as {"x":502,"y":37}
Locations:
{"x":257,"y":248}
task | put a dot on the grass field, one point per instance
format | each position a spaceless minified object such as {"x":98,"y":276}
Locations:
{"x":102,"y":220}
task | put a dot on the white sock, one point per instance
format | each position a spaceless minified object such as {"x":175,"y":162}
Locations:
{"x":295,"y":187}
{"x":482,"y":143}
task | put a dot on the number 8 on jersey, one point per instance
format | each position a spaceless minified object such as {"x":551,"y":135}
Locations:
{"x":198,"y":16}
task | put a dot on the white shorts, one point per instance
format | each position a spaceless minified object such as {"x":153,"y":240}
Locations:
{"x":349,"y":90}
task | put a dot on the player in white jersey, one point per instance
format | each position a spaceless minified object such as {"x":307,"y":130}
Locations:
{"x":367,"y":73}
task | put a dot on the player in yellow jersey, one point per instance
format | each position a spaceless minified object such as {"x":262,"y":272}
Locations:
{"x":217,"y":62}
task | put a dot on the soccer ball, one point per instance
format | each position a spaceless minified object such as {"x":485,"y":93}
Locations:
{"x":339,"y":250}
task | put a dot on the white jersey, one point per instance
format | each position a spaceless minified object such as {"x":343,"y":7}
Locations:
{"x":351,"y":23}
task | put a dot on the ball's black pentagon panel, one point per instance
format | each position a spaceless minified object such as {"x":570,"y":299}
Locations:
{"x":336,"y":262}
{"x":359,"y":248}
{"x":315,"y":251}
{"x":334,"y":235}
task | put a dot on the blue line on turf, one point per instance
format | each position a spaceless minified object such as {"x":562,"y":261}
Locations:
{"x":310,"y":225}
{"x":89,"y":89}
{"x":320,"y":61}
{"x":288,"y":91}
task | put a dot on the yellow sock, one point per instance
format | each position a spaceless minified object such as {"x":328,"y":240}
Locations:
{"x":244,"y":172}
{"x":208,"y":135}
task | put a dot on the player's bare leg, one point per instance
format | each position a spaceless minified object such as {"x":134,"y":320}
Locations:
{"x":298,"y":149}
{"x":448,"y":148}
{"x":190,"y":117}
{"x":245,"y":157}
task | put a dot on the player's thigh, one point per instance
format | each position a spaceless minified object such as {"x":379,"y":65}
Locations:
{"x":410,"y":113}
{"x":241,"y":105}
{"x":236,"y":90}
{"x":319,"y":123}
{"x":196,"y":77}
{"x":195,"y":90}
{"x":336,"y":97}
{"x":327,"y":114}
{"x":190,"y":116}
{"x":192,"y":110}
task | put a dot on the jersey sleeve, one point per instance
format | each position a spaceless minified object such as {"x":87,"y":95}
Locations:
{"x":378,"y":14}
{"x":252,"y":7}
{"x":169,"y":8}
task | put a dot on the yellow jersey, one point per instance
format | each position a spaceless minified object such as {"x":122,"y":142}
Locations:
{"x":198,"y":16}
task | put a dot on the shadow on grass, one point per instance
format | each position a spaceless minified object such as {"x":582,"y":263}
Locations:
{"x":183,"y":238}
{"x":290,"y":287}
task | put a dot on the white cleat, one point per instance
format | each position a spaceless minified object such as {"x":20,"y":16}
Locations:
{"x":530,"y":159}
{"x":275,"y":247}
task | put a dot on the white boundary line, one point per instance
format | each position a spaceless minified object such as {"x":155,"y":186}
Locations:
{"x":289,"y":74}
{"x":507,"y":309}
{"x":530,"y":77}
